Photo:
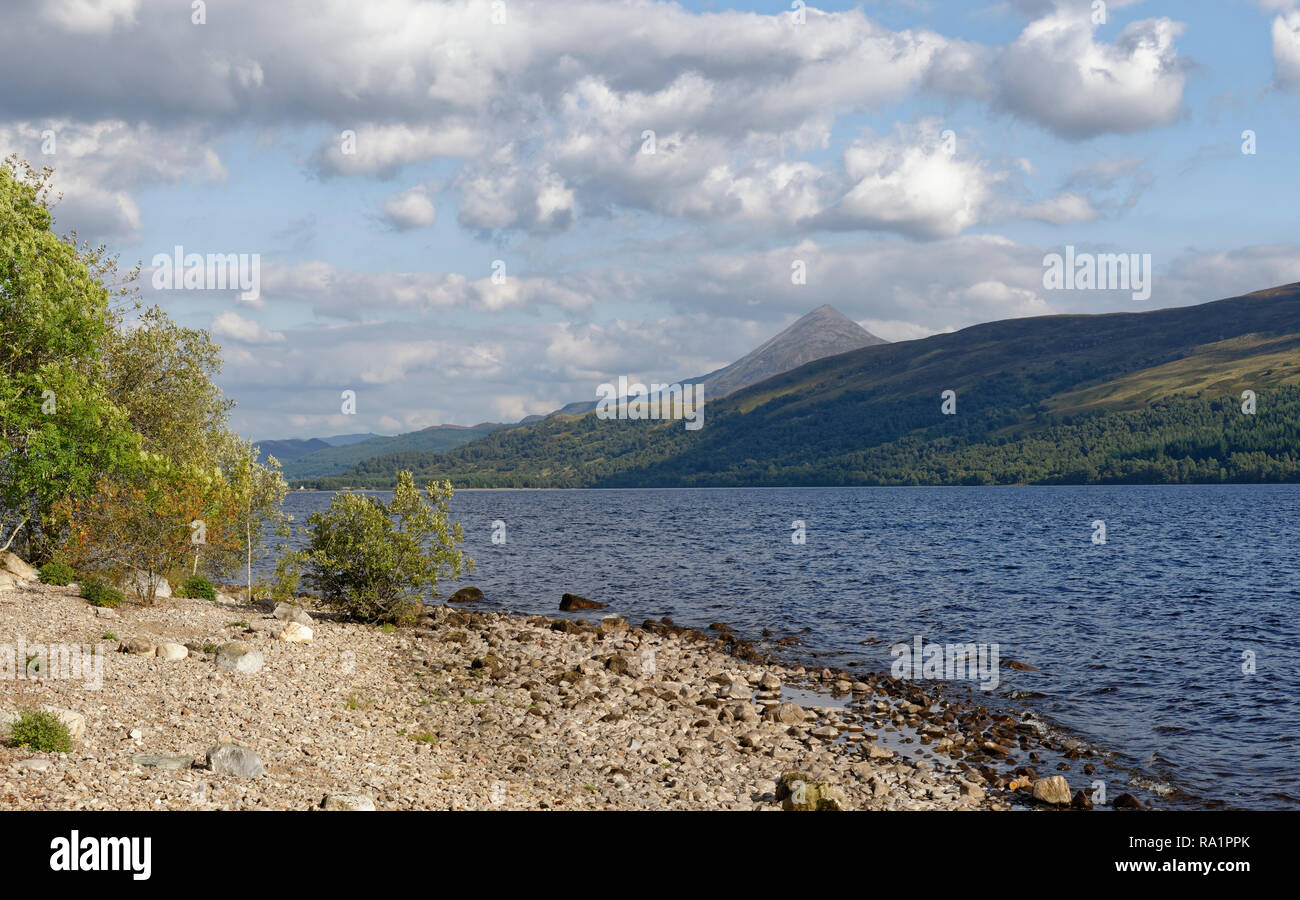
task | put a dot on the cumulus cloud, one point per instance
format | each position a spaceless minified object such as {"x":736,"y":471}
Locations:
{"x":1057,"y":74}
{"x":411,"y":208}
{"x":100,"y":166}
{"x":235,"y":327}
{"x":1286,"y":49}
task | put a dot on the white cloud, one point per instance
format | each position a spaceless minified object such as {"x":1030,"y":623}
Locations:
{"x":1057,"y":74}
{"x":90,"y":16}
{"x":1286,"y":49}
{"x":235,"y":327}
{"x":411,"y":208}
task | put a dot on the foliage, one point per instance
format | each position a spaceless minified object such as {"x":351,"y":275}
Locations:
{"x":59,"y":430}
{"x":41,"y":731}
{"x":97,"y":593}
{"x":374,"y":562}
{"x":197,"y":587}
{"x":145,"y":523}
{"x":57,"y":572}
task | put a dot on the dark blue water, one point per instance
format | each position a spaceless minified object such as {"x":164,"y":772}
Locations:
{"x":1139,"y":642}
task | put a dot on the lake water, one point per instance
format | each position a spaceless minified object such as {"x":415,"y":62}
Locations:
{"x":1139,"y":642}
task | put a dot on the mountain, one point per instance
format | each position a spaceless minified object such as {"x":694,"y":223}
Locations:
{"x":823,"y":332}
{"x":1120,"y":397}
{"x":291,"y":448}
{"x":325,"y":461}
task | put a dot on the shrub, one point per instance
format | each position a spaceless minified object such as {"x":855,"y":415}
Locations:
{"x":198,"y":588}
{"x":97,"y":593}
{"x":373,"y":561}
{"x":40,"y":730}
{"x":57,"y":572}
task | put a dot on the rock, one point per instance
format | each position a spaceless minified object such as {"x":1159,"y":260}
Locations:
{"x":572,"y":601}
{"x":1081,"y":801}
{"x":8,"y":581}
{"x":1127,"y":801}
{"x":162,"y":761}
{"x":36,"y":765}
{"x":105,"y":613}
{"x":294,"y":633}
{"x":232,"y":759}
{"x":292,"y":612}
{"x":239,"y":656}
{"x":875,"y":751}
{"x":168,"y":650}
{"x":137,"y":646}
{"x":972,"y":790}
{"x":800,"y":793}
{"x":349,"y":802}
{"x":1053,"y":790}
{"x":464,"y":595}
{"x":11,"y":563}
{"x":139,"y":582}
{"x":736,"y":690}
{"x":785,"y":713}
{"x":770,"y":682}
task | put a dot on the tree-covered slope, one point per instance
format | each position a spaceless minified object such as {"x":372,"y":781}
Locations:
{"x":1119,"y":397}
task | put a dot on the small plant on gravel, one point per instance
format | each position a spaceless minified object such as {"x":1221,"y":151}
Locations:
{"x":108,"y":636}
{"x":41,"y":731}
{"x":210,"y":648}
{"x":426,"y":736}
{"x":97,"y":593}
{"x":57,"y":572}
{"x":236,"y":624}
{"x":198,"y":588}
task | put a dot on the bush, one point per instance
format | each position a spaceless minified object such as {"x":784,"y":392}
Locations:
{"x":57,"y":572}
{"x":40,"y":730}
{"x":374,"y":562}
{"x":198,"y":588}
{"x":97,"y":593}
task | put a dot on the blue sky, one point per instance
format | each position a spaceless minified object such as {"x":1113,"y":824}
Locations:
{"x":521,"y":141}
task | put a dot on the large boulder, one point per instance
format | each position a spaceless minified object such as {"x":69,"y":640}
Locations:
{"x":1053,"y":790}
{"x":15,"y":566}
{"x":466,"y":595}
{"x":8,"y":581}
{"x":572,"y":601}
{"x":138,"y":583}
{"x":294,"y":633}
{"x":800,"y":793}
{"x":232,"y":759}
{"x":171,"y":650}
{"x":785,"y":714}
{"x":292,"y":612}
{"x":240,"y":656}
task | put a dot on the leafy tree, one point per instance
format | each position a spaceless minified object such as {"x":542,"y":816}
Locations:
{"x":375,"y":562}
{"x":59,"y":430}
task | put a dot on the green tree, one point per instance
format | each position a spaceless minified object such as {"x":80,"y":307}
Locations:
{"x":376,"y":562}
{"x":59,"y":430}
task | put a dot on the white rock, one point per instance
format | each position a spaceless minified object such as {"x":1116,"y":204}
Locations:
{"x":8,"y":581}
{"x":138,"y":583}
{"x":73,"y":721}
{"x":294,"y":633}
{"x":169,"y":650}
{"x":350,"y":802}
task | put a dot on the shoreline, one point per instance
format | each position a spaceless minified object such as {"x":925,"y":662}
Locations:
{"x":486,"y":709}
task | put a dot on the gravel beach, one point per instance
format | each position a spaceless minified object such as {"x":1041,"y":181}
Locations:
{"x":231,"y":705}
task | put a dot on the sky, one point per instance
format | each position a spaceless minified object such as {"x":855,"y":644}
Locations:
{"x":477,"y":211}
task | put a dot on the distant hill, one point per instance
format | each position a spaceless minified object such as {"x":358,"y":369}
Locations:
{"x":823,"y":332}
{"x":326,"y":461}
{"x":1120,"y":397}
